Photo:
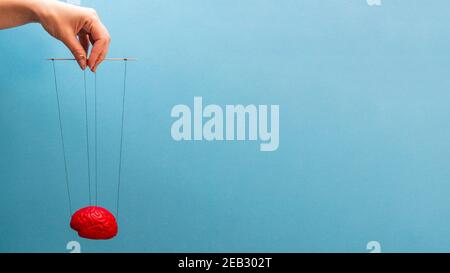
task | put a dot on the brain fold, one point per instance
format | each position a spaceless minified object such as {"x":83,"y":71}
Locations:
{"x":94,"y":222}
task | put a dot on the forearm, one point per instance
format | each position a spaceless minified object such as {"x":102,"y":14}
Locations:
{"x":17,"y":12}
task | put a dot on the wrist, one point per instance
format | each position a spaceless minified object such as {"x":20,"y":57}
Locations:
{"x":37,"y":9}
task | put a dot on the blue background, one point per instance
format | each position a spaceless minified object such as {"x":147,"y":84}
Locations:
{"x":364,"y":128}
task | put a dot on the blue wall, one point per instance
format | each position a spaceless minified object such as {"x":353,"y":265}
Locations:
{"x":364,"y":128}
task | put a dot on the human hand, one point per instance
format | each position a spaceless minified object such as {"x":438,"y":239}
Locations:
{"x":78,"y":28}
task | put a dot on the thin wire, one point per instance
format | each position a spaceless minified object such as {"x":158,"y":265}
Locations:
{"x":95,"y":124}
{"x":87,"y":137}
{"x":62,"y":140}
{"x":121,"y":137}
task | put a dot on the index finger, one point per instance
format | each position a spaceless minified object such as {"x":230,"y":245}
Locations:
{"x":100,"y":39}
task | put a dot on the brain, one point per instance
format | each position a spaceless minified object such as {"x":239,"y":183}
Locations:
{"x":94,"y":222}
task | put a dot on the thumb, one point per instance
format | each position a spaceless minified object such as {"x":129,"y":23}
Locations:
{"x":77,"y":50}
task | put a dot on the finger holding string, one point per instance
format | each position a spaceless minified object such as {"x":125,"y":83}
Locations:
{"x":83,"y":37}
{"x":99,"y":38}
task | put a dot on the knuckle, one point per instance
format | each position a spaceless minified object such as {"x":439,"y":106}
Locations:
{"x":105,"y":40}
{"x":79,"y":53}
{"x":92,"y":14}
{"x":92,"y":11}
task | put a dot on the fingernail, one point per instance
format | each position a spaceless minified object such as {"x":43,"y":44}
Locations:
{"x":94,"y":67}
{"x":82,"y":63}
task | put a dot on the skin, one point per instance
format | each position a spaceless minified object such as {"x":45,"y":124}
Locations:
{"x":77,"y":27}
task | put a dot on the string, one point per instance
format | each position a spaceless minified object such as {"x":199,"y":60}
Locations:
{"x":121,"y":136}
{"x":95,"y":131}
{"x":62,"y":139}
{"x":87,"y":137}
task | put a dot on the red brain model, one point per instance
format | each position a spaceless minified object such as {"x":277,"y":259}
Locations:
{"x":94,"y":222}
